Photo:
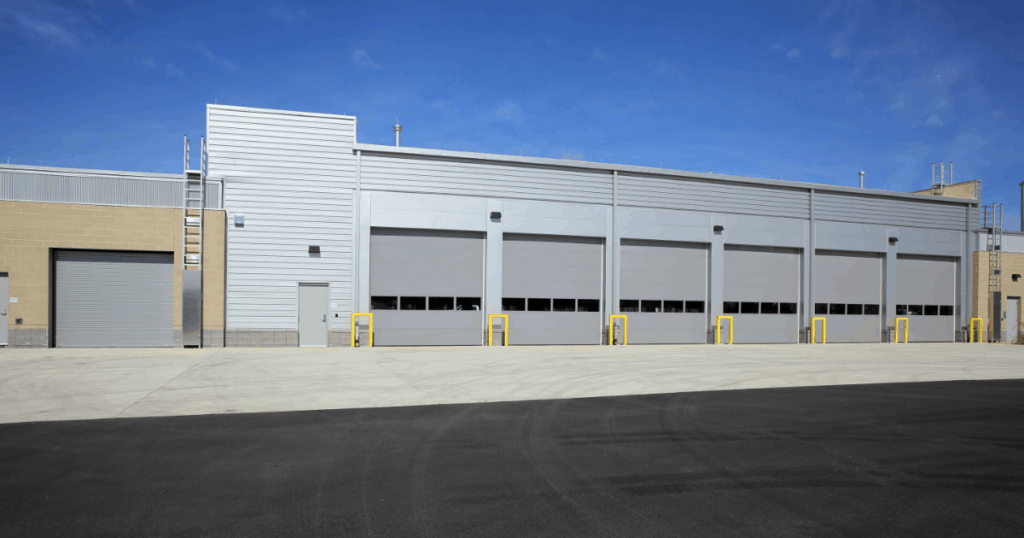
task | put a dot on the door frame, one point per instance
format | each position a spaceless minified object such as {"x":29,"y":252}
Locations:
{"x":298,"y":310}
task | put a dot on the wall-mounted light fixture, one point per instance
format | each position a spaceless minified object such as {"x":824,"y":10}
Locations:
{"x":1015,"y":277}
{"x":314,"y":249}
{"x":893,"y":240}
{"x":719,"y":228}
{"x":495,"y":214}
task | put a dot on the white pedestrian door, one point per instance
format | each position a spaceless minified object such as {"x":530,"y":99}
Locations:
{"x":3,"y":309}
{"x":1012,"y":320}
{"x":313,"y":315}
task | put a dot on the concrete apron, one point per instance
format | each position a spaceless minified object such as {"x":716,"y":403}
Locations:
{"x":70,"y":384}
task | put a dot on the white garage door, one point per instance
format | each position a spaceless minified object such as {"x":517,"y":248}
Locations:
{"x":925,"y":293}
{"x":551,"y":289}
{"x":762,"y":293}
{"x":114,"y":299}
{"x":848,"y":294}
{"x":664,"y":291}
{"x":426,"y":287}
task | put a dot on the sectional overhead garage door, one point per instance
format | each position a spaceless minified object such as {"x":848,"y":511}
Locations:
{"x":925,"y":293}
{"x":114,"y":299}
{"x":762,"y":293}
{"x":426,"y":287}
{"x":663,"y":291}
{"x":551,"y":289}
{"x":848,"y":294}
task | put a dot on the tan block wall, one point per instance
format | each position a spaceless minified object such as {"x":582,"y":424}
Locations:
{"x":28,"y":230}
{"x":967,"y":189}
{"x":1012,"y":264}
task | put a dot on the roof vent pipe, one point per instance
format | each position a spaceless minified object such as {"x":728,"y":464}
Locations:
{"x":398,"y":135}
{"x":1022,"y":206}
{"x":861,"y":179}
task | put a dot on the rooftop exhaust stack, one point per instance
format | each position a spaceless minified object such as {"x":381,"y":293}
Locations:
{"x":862,"y":179}
{"x":398,"y":135}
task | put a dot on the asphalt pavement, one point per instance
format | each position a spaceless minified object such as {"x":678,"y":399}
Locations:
{"x":908,"y":459}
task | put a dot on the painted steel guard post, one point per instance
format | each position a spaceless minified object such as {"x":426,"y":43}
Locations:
{"x":611,"y":329}
{"x":718,"y":334}
{"x":981,"y":329}
{"x":824,"y":329}
{"x":490,"y":329}
{"x":353,"y":335}
{"x":906,"y":329}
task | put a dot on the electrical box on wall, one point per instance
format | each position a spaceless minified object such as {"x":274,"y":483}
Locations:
{"x":239,"y":220}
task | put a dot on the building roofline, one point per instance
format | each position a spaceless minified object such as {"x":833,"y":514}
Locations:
{"x":89,"y":172}
{"x":587,"y":165}
{"x":279,"y":112}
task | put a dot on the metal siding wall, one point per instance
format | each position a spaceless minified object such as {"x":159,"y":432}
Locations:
{"x":114,"y":299}
{"x":711,"y":196}
{"x":435,"y":175}
{"x":293,"y":177}
{"x":889,"y":212}
{"x":97,"y":189}
{"x":1012,"y":244}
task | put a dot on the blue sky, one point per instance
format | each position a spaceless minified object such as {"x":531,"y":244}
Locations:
{"x":805,"y":91}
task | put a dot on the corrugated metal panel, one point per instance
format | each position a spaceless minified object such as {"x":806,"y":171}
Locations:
{"x":114,"y":299}
{"x":1011,"y":243}
{"x":712,"y":196}
{"x":26,"y":186}
{"x":436,"y":175}
{"x":889,"y":212}
{"x":292,"y":176}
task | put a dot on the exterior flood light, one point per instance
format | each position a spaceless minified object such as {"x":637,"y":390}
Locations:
{"x":893,"y":240}
{"x":314,"y":249}
{"x":719,"y":228}
{"x":1015,"y":277}
{"x":495,"y":214}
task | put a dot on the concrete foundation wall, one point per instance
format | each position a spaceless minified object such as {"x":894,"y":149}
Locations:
{"x":30,"y":230}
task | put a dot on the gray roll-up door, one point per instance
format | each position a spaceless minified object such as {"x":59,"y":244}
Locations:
{"x":114,"y":299}
{"x":663,"y":291}
{"x":762,"y":293}
{"x":848,"y":294}
{"x":426,"y":287}
{"x":551,"y":289}
{"x":925,"y":293}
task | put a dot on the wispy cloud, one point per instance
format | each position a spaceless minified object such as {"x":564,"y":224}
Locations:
{"x":174,"y":71}
{"x":793,"y":54}
{"x":147,"y":62}
{"x":600,"y":55}
{"x":362,"y":60}
{"x":509,"y":110}
{"x":46,"y":30}
{"x":223,"y":63}
{"x":283,"y":13}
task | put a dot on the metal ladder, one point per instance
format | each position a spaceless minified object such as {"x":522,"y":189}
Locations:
{"x":992,"y":224}
{"x":193,"y":204}
{"x":942,"y":175}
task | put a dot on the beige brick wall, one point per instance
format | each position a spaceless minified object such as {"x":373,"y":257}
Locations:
{"x":28,"y":230}
{"x":967,"y":189}
{"x":1012,"y":264}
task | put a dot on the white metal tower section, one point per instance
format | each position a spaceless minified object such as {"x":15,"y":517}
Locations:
{"x":992,"y":224}
{"x":193,"y":204}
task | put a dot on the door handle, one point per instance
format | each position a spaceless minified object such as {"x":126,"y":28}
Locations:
{"x":324,"y":319}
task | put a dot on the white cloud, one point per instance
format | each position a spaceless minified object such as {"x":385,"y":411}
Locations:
{"x":174,"y":71}
{"x":148,"y":62}
{"x":934,"y":121}
{"x":219,"y":62}
{"x":47,"y":30}
{"x":777,"y":47}
{"x":282,"y":13}
{"x":600,"y":55}
{"x":793,"y":54}
{"x":840,"y":52}
{"x":509,"y":110}
{"x":362,"y":60}
{"x":898,"y":101}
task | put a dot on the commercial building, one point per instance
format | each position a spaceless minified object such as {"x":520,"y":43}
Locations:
{"x":306,"y":226}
